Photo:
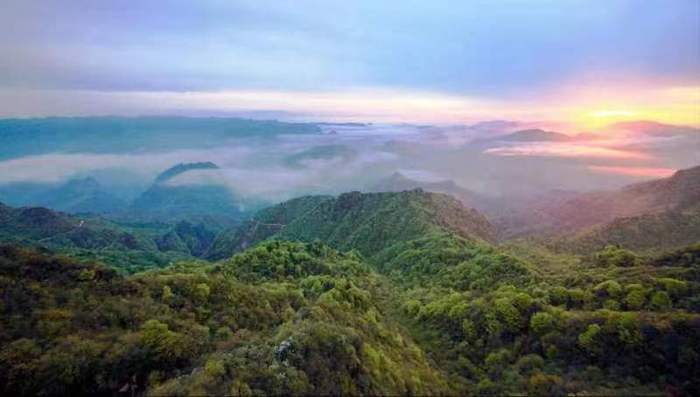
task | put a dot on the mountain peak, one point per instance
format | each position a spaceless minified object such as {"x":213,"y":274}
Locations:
{"x":83,"y":183}
{"x":534,"y":135}
{"x":653,"y":128}
{"x":181,"y":168}
{"x":369,"y":222}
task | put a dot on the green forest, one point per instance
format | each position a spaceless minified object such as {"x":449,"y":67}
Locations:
{"x":361,"y":294}
{"x":380,"y":198}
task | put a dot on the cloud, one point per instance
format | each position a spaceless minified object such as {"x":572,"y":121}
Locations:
{"x":565,"y":150}
{"x":422,"y":175}
{"x":260,"y":168}
{"x":444,"y":48}
{"x":57,"y":167}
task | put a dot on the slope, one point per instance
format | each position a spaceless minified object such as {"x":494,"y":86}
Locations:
{"x":199,"y":202}
{"x":574,"y":214}
{"x":130,"y":248}
{"x":306,"y":321}
{"x":368,"y":222}
{"x":397,"y":182}
{"x":265,"y":223}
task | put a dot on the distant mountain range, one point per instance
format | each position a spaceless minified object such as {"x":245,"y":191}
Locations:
{"x":647,"y":128}
{"x":398,"y":182}
{"x":653,"y":128}
{"x":663,"y":212}
{"x":22,"y":137}
{"x":532,"y":135}
{"x":164,"y":201}
{"x":79,"y":195}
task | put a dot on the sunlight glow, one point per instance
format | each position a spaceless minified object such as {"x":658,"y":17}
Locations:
{"x":634,"y":171}
{"x":551,"y":149}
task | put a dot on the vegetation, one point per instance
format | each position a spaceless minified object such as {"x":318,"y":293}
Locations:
{"x":624,"y":327}
{"x":281,"y":318}
{"x":262,"y":225}
{"x":367,"y":222}
{"x":128,"y":247}
{"x":376,"y":294}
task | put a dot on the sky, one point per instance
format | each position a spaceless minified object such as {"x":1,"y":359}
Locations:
{"x":583,"y":62}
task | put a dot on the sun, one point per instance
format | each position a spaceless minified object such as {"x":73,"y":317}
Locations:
{"x":596,"y":119}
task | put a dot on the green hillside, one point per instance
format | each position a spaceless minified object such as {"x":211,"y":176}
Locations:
{"x":367,"y":222}
{"x":279,"y":319}
{"x":128,"y":247}
{"x":645,"y":233}
{"x":403,"y":293}
{"x":264,"y":224}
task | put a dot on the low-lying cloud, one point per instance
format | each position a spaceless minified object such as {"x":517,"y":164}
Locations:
{"x":349,"y":157}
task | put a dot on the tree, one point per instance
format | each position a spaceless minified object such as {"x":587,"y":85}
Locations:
{"x":661,"y":301}
{"x":589,"y":339}
{"x":636,"y":297}
{"x":541,"y":323}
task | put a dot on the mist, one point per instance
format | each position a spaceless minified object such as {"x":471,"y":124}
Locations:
{"x":336,"y":158}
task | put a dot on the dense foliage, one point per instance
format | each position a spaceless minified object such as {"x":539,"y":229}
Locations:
{"x":264,"y":224}
{"x":613,"y":323}
{"x":280,"y":318}
{"x":128,"y":247}
{"x":367,"y":222}
{"x":420,"y":302}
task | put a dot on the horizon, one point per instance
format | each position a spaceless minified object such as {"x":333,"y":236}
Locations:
{"x":350,"y":198}
{"x":439,"y":63}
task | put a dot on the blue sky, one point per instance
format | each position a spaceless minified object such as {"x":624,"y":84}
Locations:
{"x":490,"y":53}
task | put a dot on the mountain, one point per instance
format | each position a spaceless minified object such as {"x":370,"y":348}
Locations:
{"x":79,"y":195}
{"x":495,"y":126}
{"x":368,"y":222}
{"x":398,"y":182}
{"x":533,"y":135}
{"x":649,"y":232}
{"x":181,"y":168}
{"x":33,"y":136}
{"x":203,"y":202}
{"x":51,"y":229}
{"x":127,"y":247}
{"x":313,"y":325}
{"x":573,"y":214}
{"x":185,"y":237}
{"x":528,"y":135}
{"x":293,"y":318}
{"x":342,"y":153}
{"x":265,"y":223}
{"x":653,"y":128}
{"x":82,"y":195}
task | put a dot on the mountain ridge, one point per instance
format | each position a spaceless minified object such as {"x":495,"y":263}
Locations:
{"x":371,"y":222}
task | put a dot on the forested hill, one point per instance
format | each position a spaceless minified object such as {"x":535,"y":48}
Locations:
{"x":312,"y":325}
{"x":129,"y":248}
{"x":368,"y":222}
{"x":265,"y":223}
